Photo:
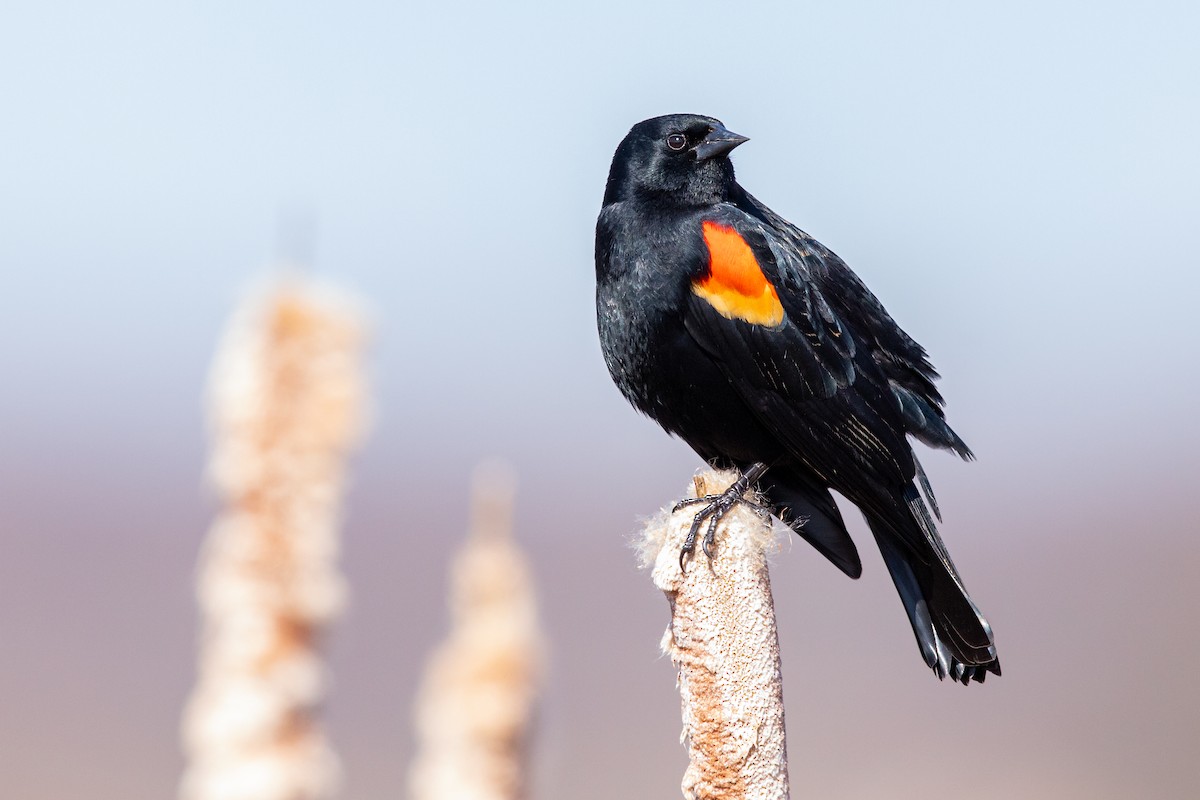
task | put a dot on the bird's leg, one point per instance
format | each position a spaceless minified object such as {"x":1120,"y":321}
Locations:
{"x":717,"y":507}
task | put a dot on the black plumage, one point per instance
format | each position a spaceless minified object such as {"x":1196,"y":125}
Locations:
{"x":755,"y":344}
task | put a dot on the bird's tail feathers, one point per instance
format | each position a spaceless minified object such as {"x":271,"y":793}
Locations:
{"x":952,"y":634}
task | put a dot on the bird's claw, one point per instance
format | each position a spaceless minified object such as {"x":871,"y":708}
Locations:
{"x":710,"y":536}
{"x":684,"y":552}
{"x":718,"y":505}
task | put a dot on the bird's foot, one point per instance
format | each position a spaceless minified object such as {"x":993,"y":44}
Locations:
{"x":757,"y":508}
{"x":715,"y":508}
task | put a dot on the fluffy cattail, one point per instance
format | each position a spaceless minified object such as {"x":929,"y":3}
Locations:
{"x":476,"y":701}
{"x":287,"y":405}
{"x":723,"y":642}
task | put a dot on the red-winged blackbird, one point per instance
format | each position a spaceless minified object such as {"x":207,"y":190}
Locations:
{"x":751,"y":341}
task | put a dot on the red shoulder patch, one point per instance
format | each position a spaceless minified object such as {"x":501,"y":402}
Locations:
{"x":735,"y":284}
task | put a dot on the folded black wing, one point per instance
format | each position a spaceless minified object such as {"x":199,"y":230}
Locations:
{"x":910,"y":376}
{"x":809,"y":379}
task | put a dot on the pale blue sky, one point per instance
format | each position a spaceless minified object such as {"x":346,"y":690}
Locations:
{"x":1017,"y":182}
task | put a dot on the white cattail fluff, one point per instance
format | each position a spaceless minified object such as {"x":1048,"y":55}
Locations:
{"x":723,"y":642}
{"x":475,"y":705}
{"x":287,"y":406}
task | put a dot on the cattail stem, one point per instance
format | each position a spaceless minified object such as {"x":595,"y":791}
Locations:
{"x":287,"y":406}
{"x":722,"y":640}
{"x":475,"y":705}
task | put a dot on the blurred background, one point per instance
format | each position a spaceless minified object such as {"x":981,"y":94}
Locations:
{"x":1018,"y":182}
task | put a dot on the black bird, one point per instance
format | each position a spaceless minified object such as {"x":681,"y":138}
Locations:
{"x":756,"y":345}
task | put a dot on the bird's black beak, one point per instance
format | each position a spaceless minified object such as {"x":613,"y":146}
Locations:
{"x":720,"y":141}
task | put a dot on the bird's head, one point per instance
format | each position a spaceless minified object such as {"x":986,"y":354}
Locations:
{"x":679,"y":159}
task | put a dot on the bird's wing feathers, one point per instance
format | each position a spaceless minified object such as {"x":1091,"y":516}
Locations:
{"x":794,"y":349}
{"x":808,"y":377}
{"x":910,"y":376}
{"x":826,"y":387}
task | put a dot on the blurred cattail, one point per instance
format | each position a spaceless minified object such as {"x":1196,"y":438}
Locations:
{"x":475,"y":704}
{"x":722,"y":640}
{"x":287,"y":405}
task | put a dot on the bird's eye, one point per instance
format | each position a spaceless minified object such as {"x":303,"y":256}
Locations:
{"x":677,"y":141}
